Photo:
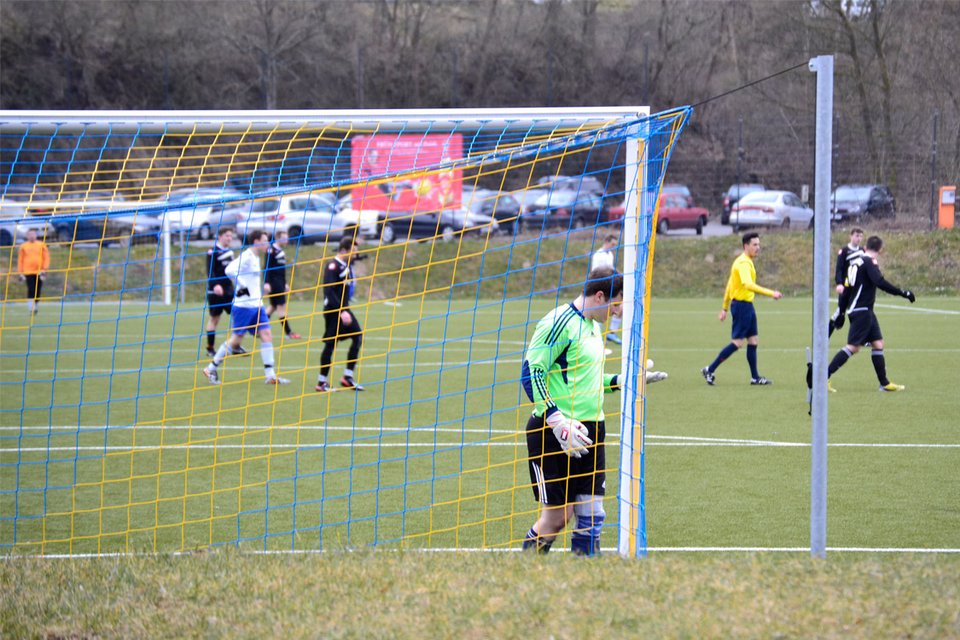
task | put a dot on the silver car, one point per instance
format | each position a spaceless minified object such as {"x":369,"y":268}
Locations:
{"x":771,"y":209}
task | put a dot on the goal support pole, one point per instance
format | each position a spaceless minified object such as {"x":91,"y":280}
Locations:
{"x":823,"y":67}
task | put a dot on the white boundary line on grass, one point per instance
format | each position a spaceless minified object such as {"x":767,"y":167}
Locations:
{"x":608,"y":550}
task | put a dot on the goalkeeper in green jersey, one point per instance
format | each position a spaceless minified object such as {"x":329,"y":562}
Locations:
{"x":563,"y":376}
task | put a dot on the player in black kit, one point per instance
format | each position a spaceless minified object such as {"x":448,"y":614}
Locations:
{"x":848,"y":252}
{"x":275,"y":285}
{"x":219,"y":286}
{"x":863,"y":279}
{"x":339,"y":322}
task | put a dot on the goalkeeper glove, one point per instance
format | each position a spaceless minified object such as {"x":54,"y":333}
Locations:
{"x":909,"y":296}
{"x":571,"y":434}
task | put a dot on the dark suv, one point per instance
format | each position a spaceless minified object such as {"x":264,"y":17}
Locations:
{"x":856,"y":201}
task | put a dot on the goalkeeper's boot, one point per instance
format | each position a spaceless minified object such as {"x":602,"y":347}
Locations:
{"x":276,"y":380}
{"x":349,"y":383}
{"x":890,"y":386}
{"x":293,"y":335}
{"x":322,"y":387}
{"x":211,"y":352}
{"x":709,"y":377}
{"x":656,"y":376}
{"x":761,"y":381}
{"x":830,"y":388}
{"x":212,"y":375}
{"x":239,"y":351}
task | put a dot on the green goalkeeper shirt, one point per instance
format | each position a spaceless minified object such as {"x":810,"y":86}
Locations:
{"x":563,"y":367}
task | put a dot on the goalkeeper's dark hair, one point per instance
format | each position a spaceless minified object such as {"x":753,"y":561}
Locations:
{"x":874,"y":243}
{"x":604,"y":279}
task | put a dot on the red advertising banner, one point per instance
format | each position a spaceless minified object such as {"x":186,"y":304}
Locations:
{"x":385,"y":154}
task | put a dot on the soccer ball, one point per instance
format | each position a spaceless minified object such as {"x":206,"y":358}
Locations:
{"x":649,"y":364}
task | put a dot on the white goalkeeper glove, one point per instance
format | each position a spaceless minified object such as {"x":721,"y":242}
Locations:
{"x":571,"y":434}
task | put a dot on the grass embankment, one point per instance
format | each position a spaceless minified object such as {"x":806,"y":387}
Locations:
{"x":366,"y":594}
{"x":926,"y":262}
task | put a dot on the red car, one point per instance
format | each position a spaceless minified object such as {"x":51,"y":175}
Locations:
{"x":676,"y":212}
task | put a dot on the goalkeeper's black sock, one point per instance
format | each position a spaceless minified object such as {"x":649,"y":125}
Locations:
{"x":287,"y":329}
{"x":211,"y":338}
{"x":838,"y":361}
{"x":535,"y":542}
{"x":880,"y":366}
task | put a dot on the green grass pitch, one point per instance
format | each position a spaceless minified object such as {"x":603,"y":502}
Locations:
{"x":430,"y":454}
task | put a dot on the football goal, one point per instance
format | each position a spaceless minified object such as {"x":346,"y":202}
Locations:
{"x":139,"y":416}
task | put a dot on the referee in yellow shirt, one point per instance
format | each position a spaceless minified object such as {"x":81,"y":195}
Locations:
{"x":738,"y":299}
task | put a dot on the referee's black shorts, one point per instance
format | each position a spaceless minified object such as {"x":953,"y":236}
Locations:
{"x":557,"y":478}
{"x":34,"y":285}
{"x":864,"y":328}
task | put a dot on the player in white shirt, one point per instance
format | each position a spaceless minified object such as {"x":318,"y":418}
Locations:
{"x":248,"y":316}
{"x":606,"y":257}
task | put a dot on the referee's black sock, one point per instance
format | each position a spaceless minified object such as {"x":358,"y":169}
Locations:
{"x":838,"y":361}
{"x":287,"y":329}
{"x":880,"y":366}
{"x":211,"y":338}
{"x":725,"y":353}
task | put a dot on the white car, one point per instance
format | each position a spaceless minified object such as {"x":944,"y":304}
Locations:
{"x":14,"y":227}
{"x":306,"y":217}
{"x":771,"y":209}
{"x":366,"y":220}
{"x":200,"y":212}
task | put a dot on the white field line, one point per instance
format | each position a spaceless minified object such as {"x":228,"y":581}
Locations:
{"x":606,"y":550}
{"x":900,"y":307}
{"x":667,"y":441}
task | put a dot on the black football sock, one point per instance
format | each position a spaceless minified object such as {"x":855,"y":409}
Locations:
{"x":838,"y":361}
{"x":725,"y":353}
{"x":880,"y":366}
{"x":211,"y":338}
{"x":752,"y":360}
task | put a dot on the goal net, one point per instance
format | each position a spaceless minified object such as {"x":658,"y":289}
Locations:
{"x":468,"y":228}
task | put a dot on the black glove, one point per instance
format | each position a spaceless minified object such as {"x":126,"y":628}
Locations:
{"x":909,"y":296}
{"x":838,"y":323}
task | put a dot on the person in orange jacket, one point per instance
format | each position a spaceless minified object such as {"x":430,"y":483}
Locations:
{"x":32,"y":264}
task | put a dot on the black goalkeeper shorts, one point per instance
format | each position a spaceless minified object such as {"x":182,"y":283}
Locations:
{"x":557,"y":478}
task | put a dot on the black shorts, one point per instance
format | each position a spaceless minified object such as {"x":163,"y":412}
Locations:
{"x":333,"y":329}
{"x":557,"y":478}
{"x":864,"y":328}
{"x":34,"y":286}
{"x":217,"y":305}
{"x":276,"y":299}
{"x":744,"y":322}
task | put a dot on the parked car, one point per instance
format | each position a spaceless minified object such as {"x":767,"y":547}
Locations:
{"x":200,"y":212}
{"x":581,"y":184}
{"x":306,"y":217}
{"x":733,"y":195}
{"x":446,"y":224}
{"x":855,"y":201}
{"x":14,"y":227}
{"x":496,"y":204}
{"x":676,"y":213}
{"x":14,"y":223}
{"x":565,"y":209}
{"x":680,"y":189}
{"x":366,"y":221}
{"x":771,"y":209}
